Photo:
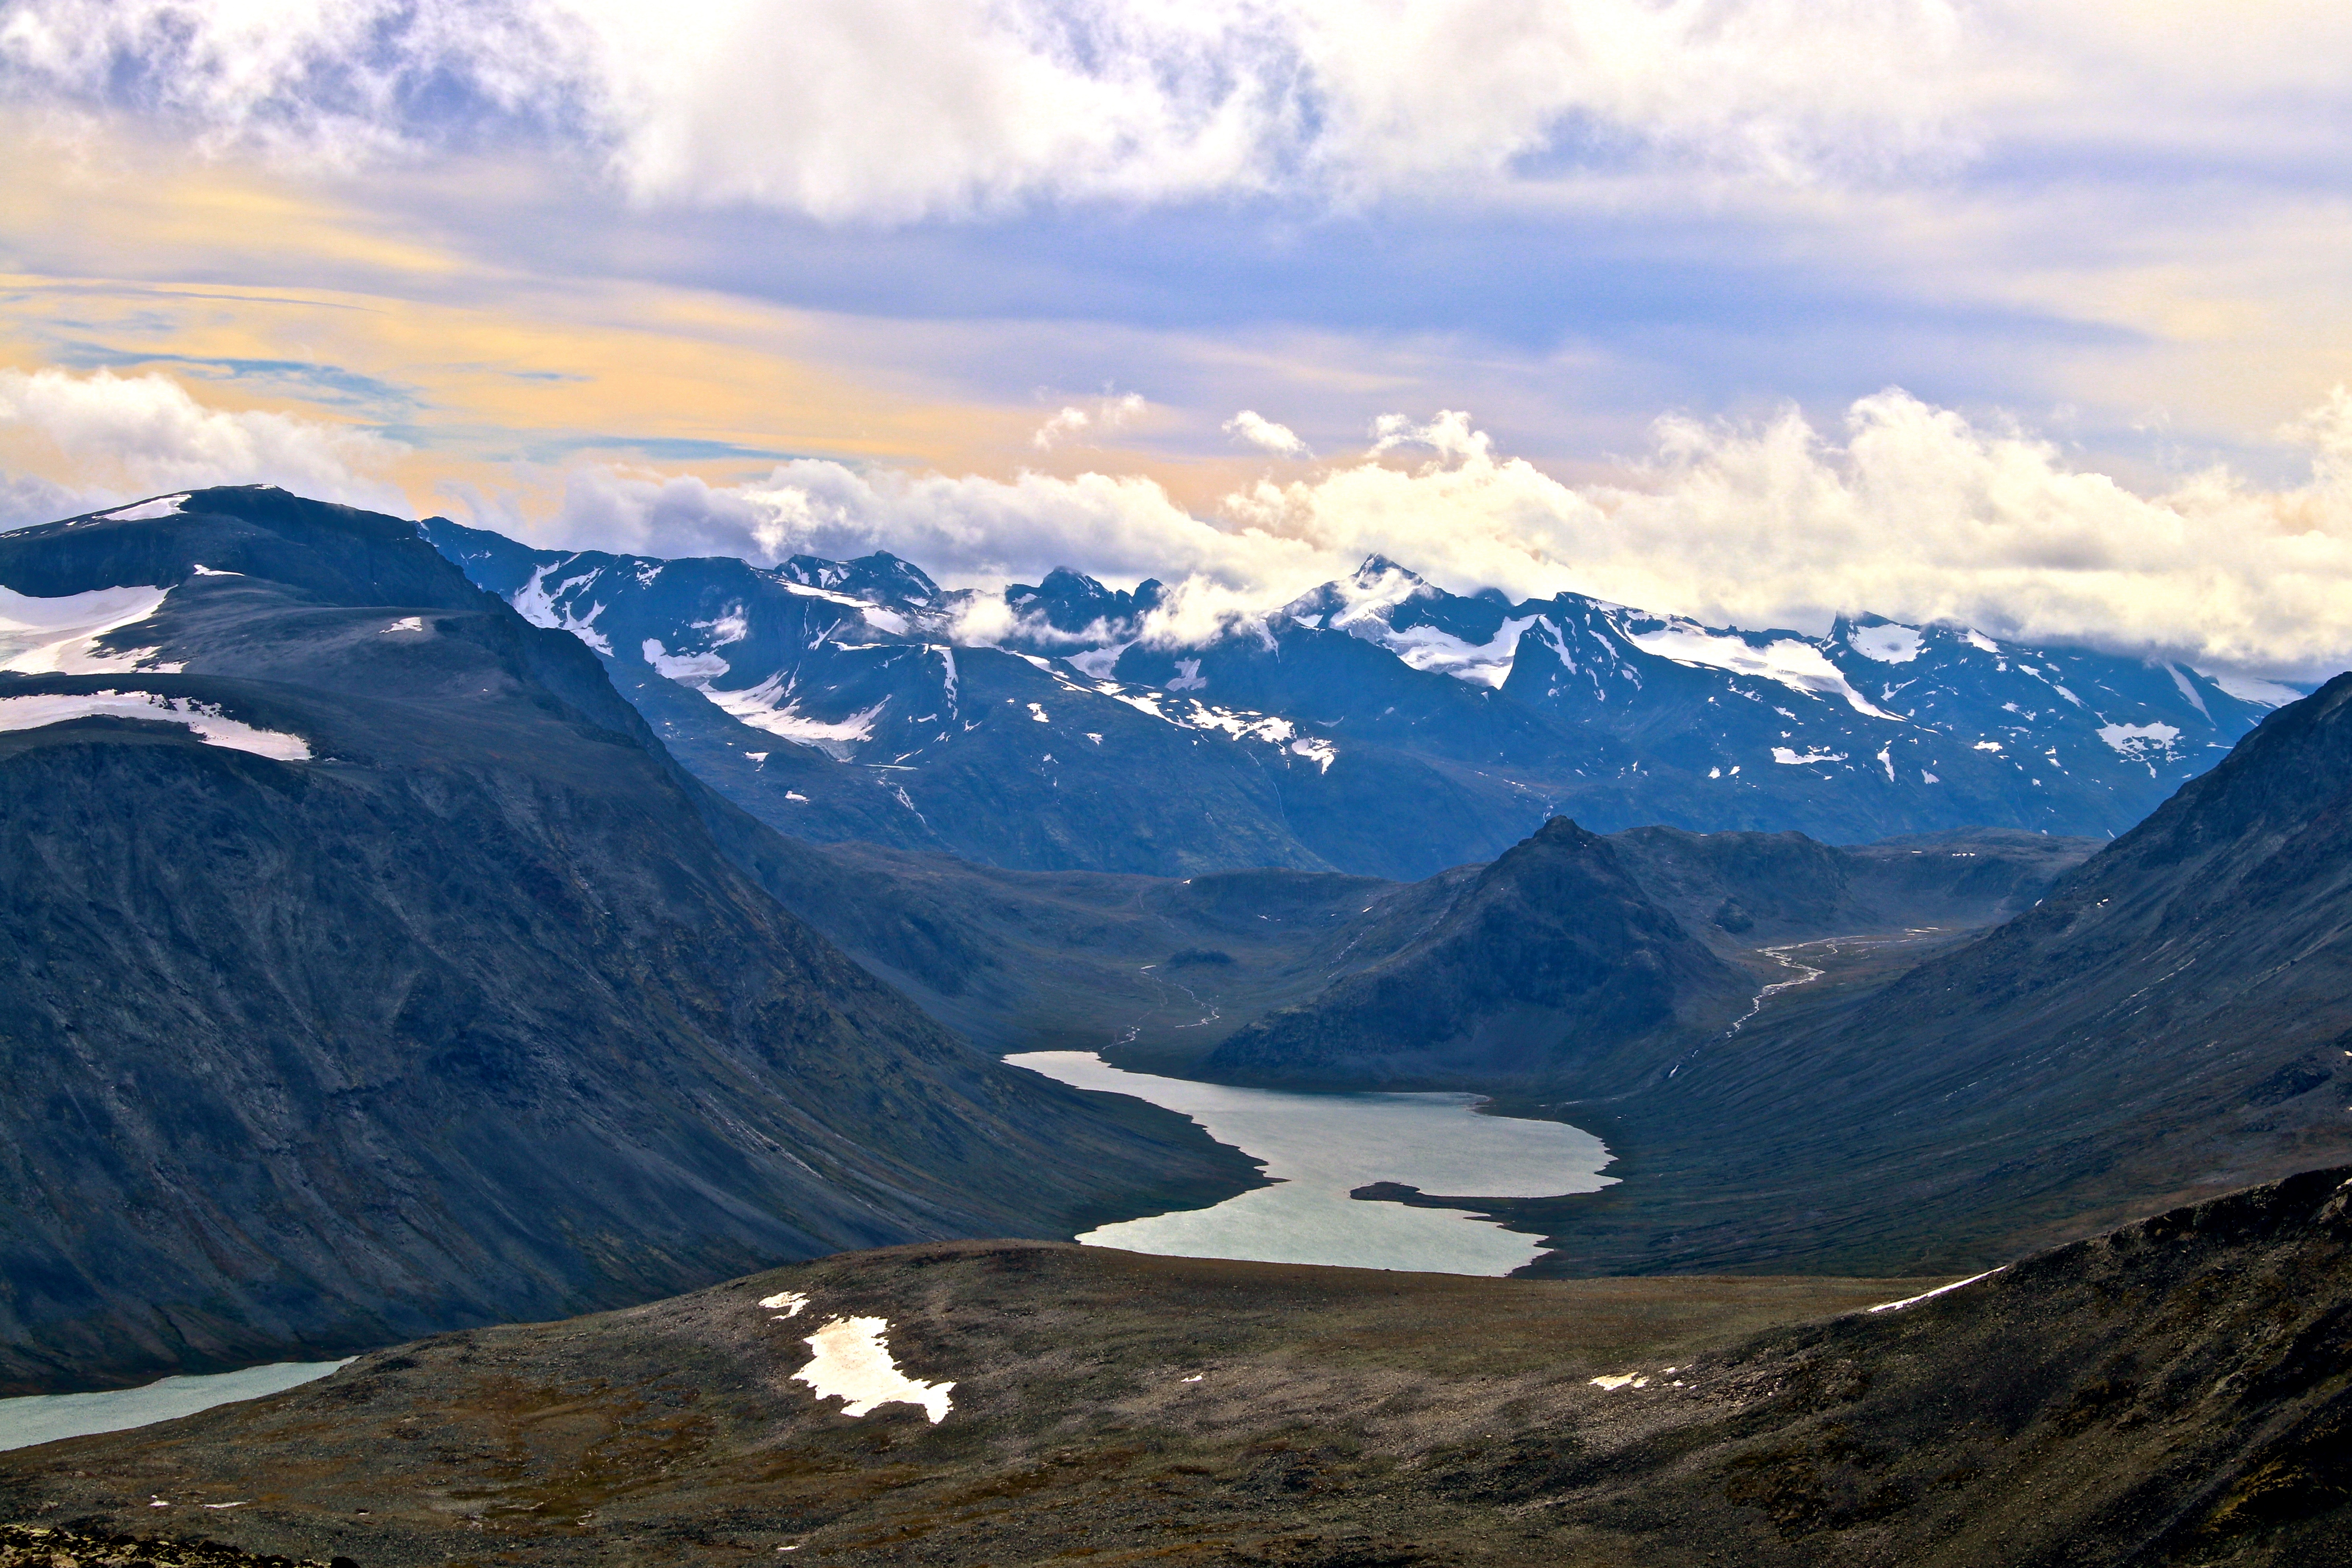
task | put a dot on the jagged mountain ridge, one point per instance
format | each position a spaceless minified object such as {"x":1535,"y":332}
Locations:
{"x":1376,"y":726}
{"x":372,"y":969}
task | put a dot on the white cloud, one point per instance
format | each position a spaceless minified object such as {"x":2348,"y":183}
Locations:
{"x":1266,"y":436}
{"x":1914,"y":513}
{"x":29,"y":499}
{"x":897,"y":109}
{"x":1071,"y":421}
{"x":963,"y":530}
{"x":126,"y":435}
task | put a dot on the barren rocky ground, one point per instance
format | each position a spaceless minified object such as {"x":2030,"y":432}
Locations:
{"x":2175,"y":1392}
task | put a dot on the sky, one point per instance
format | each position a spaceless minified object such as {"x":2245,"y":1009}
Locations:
{"x":2030,"y":315}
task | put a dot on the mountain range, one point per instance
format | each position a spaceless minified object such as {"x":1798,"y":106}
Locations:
{"x":372,"y":969}
{"x":1376,"y":725}
{"x":398,"y":949}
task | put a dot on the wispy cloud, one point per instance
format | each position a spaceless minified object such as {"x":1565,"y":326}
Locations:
{"x":1071,"y":422}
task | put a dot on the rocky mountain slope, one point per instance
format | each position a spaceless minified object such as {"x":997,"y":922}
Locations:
{"x":2172,"y":1392}
{"x":1551,"y":967}
{"x":1376,"y":726}
{"x":2174,"y":1016}
{"x":373,"y":970}
{"x":1158,"y":972}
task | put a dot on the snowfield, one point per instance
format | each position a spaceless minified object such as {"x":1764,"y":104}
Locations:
{"x":202,"y":719}
{"x":58,"y":636}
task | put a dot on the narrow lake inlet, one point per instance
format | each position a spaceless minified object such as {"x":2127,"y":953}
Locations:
{"x":1318,"y":1148}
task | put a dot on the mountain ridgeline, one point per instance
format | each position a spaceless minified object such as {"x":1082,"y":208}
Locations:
{"x":1375,"y":726}
{"x":2173,"y":1018}
{"x":373,"y":970}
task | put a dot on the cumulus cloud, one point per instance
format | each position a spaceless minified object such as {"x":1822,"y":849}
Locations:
{"x":139,"y":435}
{"x":1910,"y":510}
{"x":1266,"y":436}
{"x":898,"y":109}
{"x":967,"y":529}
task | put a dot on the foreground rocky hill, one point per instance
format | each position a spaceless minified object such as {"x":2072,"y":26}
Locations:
{"x":2176,"y":1392}
{"x":371,"y":970}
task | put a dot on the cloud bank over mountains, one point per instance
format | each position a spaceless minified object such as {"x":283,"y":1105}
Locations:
{"x":895,"y":110}
{"x":1909,"y":511}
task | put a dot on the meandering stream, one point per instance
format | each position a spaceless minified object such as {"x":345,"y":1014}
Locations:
{"x":1320,"y":1147}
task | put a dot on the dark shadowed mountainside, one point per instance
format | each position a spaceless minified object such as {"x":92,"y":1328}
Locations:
{"x":2175,"y":1016}
{"x":2173,"y":1393}
{"x":1551,"y":967}
{"x":372,"y":969}
{"x":1159,"y":971}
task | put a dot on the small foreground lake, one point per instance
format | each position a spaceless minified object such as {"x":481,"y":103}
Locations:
{"x":47,"y":1418}
{"x":1317,"y":1148}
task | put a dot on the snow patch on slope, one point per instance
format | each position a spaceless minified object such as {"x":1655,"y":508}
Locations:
{"x":1800,"y":665}
{"x":147,"y":511}
{"x":1887,"y":644}
{"x":853,"y":1363}
{"x":686,"y":669}
{"x":769,"y":706}
{"x":202,"y":719}
{"x":2254,"y":688}
{"x":2136,"y":740}
{"x":534,"y":603}
{"x":58,"y":636}
{"x":1486,"y":664}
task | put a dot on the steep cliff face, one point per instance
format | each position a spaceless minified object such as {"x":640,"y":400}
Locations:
{"x":372,"y":971}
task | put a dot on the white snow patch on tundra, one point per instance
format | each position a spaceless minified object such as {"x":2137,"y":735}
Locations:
{"x":853,"y":1363}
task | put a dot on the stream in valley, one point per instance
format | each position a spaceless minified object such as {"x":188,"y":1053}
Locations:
{"x":1320,"y":1147}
